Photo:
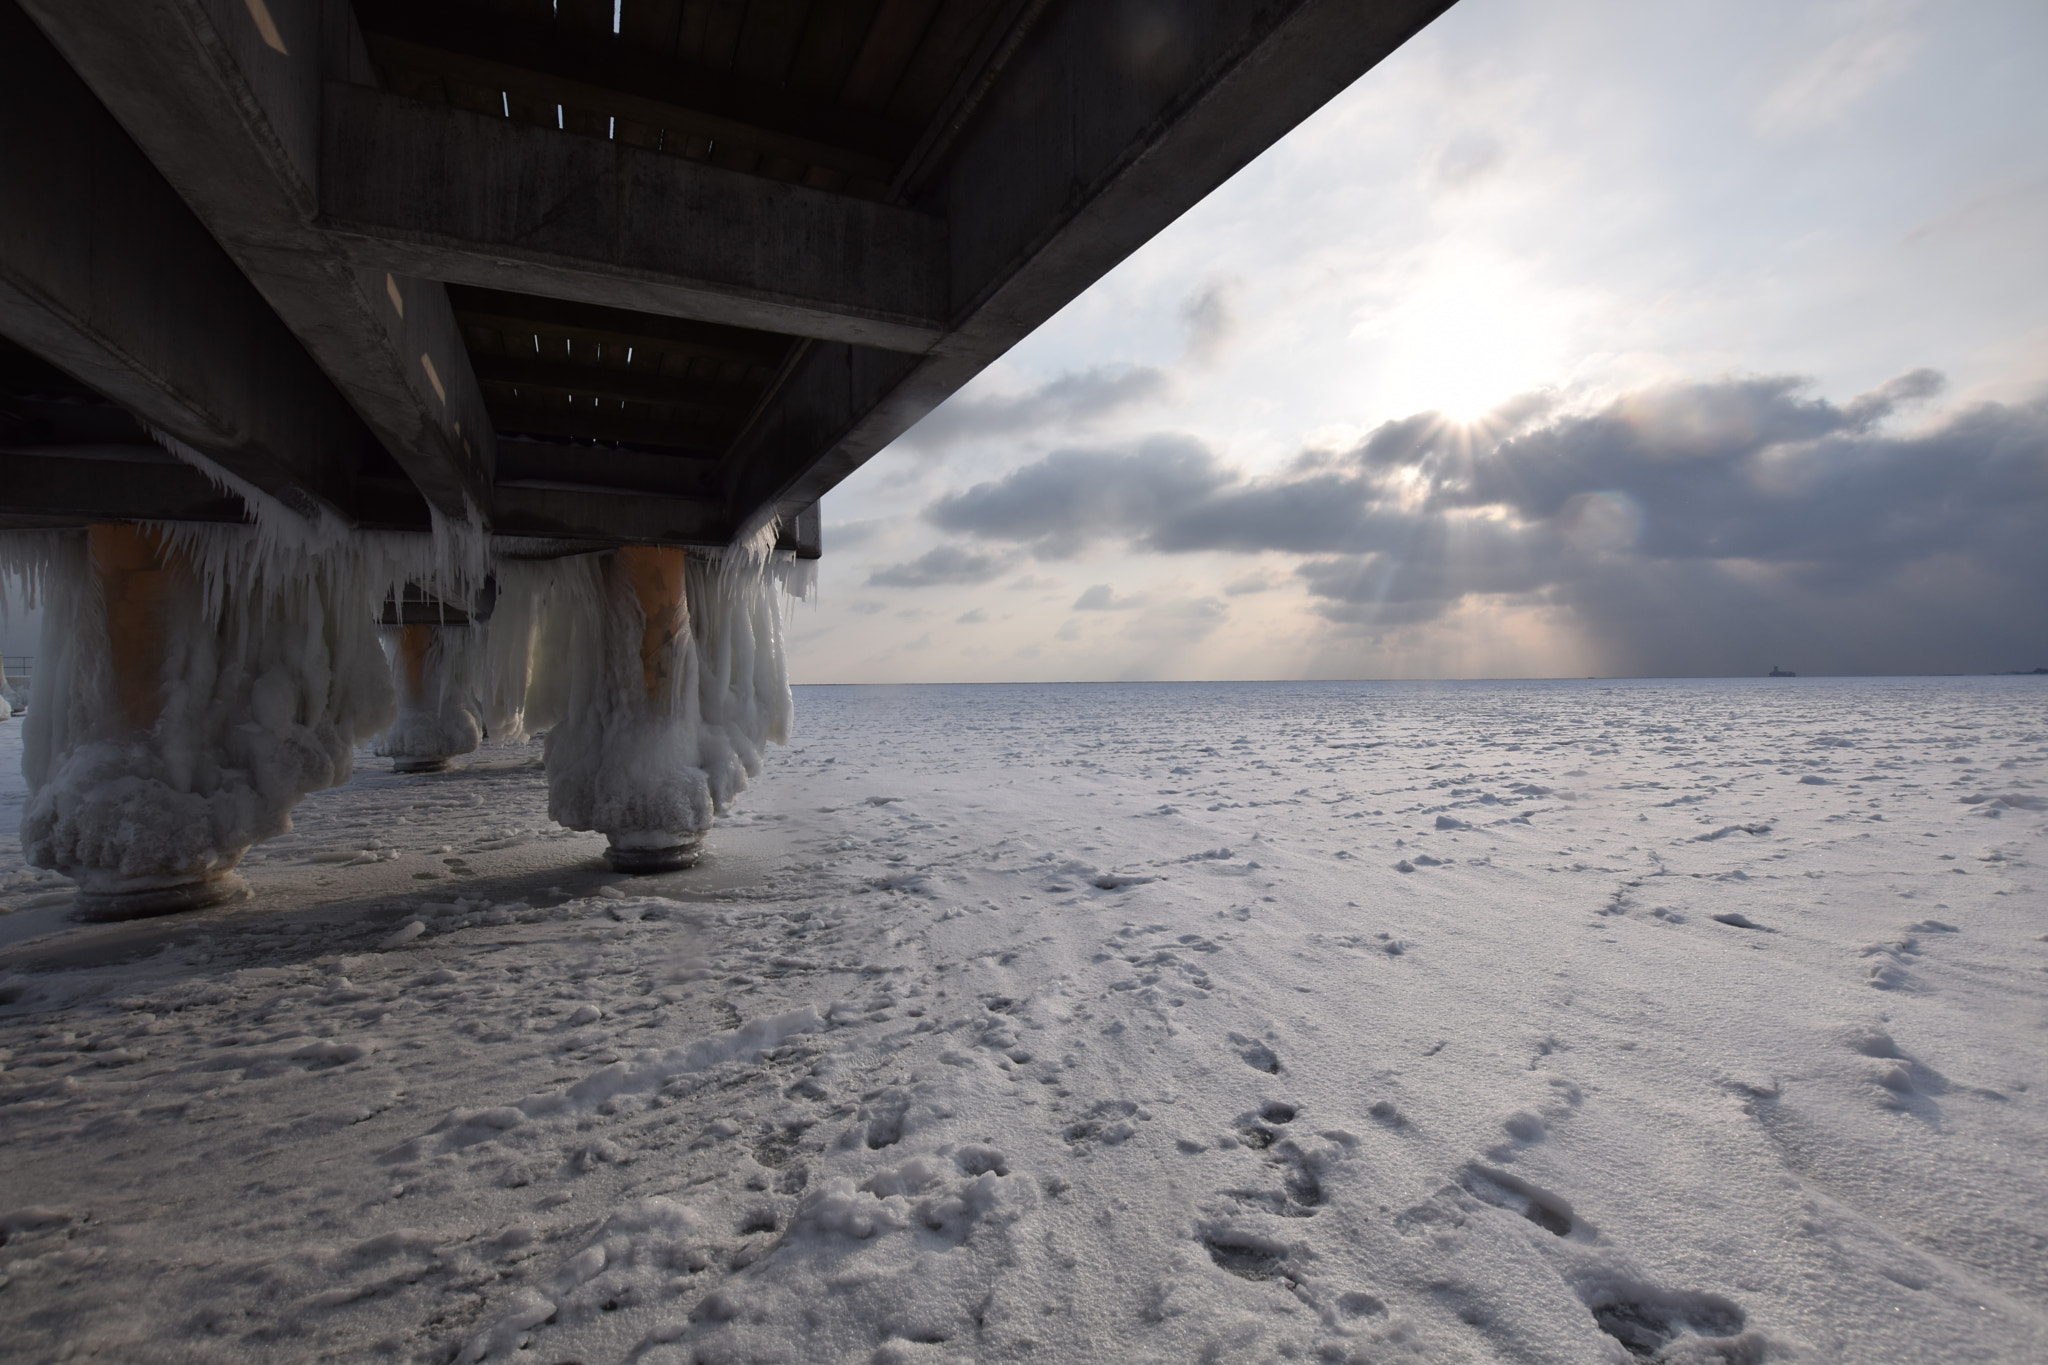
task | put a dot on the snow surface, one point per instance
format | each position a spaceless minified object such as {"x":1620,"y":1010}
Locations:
{"x":1532,"y":1022}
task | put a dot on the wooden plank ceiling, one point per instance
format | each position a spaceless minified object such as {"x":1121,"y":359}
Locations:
{"x":840,"y":95}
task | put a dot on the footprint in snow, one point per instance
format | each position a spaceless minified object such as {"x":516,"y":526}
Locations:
{"x":881,"y":1115}
{"x":1256,"y":1054}
{"x":1246,"y":1254}
{"x":1902,"y":1081}
{"x":1109,"y":1123}
{"x":1888,"y":972}
{"x":1662,"y":1324}
{"x":1301,"y":1186}
{"x":1551,"y":1212}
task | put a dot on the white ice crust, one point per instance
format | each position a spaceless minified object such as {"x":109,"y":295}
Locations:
{"x":274,"y":675}
{"x":441,"y":720}
{"x":563,"y":658}
{"x":264,"y":701}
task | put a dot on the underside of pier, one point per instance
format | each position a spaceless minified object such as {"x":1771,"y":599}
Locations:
{"x":602,"y":296}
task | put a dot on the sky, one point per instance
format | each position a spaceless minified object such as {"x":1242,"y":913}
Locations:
{"x":1580,"y":337}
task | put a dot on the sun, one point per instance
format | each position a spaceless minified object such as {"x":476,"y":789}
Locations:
{"x":1467,"y":332}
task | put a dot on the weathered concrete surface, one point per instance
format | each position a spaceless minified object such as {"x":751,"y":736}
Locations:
{"x":70,"y":485}
{"x":617,"y":518}
{"x":434,"y":191}
{"x":106,"y":274}
{"x":232,"y":119}
{"x":862,"y":271}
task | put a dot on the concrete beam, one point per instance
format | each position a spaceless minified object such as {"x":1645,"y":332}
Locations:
{"x":834,"y":407}
{"x":106,"y":274}
{"x":704,"y":400}
{"x":228,"y":109}
{"x":1109,"y":121}
{"x":609,"y":518}
{"x":74,"y":485}
{"x":584,"y":468}
{"x":431,"y":190}
{"x":804,"y":534}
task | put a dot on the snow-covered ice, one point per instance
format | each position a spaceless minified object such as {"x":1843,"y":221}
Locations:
{"x":1534,"y":1022}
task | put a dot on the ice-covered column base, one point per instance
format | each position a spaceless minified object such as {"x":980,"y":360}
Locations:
{"x":644,"y":851}
{"x":146,"y":897}
{"x":168,"y":736}
{"x":657,"y":813}
{"x":675,"y":680}
{"x":436,"y":722}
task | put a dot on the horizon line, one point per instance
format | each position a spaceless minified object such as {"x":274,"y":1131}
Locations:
{"x":1618,"y":677}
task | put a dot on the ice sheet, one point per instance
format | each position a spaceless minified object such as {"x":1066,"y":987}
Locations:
{"x":1091,"y":1024}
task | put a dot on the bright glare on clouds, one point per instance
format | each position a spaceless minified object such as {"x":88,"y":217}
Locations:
{"x":1673,"y":278}
{"x":1470,"y":328}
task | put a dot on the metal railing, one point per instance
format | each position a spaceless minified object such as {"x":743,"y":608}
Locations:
{"x":19,"y":669}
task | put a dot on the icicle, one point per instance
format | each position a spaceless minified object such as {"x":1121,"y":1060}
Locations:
{"x":233,"y":562}
{"x":517,"y":660}
{"x":25,"y":559}
{"x":317,"y":525}
{"x":175,"y":725}
{"x":658,"y":677}
{"x":431,"y":671}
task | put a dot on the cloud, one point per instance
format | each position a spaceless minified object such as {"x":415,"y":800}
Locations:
{"x":946,"y":565}
{"x":1102,"y":598}
{"x":971,"y":618}
{"x":1076,"y":399}
{"x":845,"y":535}
{"x":1179,"y":621}
{"x":1466,"y":159}
{"x":1257,"y":581}
{"x":1679,"y":524}
{"x":1822,"y":89}
{"x":1209,"y":317}
{"x":1073,"y":497}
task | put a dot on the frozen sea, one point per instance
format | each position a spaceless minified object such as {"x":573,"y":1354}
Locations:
{"x":1548,"y":1021}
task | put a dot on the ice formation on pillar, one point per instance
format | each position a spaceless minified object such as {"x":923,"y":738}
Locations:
{"x":437,"y":710}
{"x":10,"y":700}
{"x":194,"y":682}
{"x":659,"y":677}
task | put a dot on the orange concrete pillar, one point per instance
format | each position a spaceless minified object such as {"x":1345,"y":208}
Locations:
{"x":435,"y":718}
{"x":413,"y":644}
{"x":137,"y":578}
{"x":146,"y":591}
{"x":655,"y":574}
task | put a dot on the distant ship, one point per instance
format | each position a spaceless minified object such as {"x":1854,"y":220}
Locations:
{"x":1777,"y":672}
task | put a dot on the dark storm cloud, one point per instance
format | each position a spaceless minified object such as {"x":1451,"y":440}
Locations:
{"x":1072,"y":497}
{"x":1070,"y":400}
{"x":1679,"y":524}
{"x":946,"y":566}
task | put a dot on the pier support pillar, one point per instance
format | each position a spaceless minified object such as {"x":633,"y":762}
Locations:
{"x":652,"y":577}
{"x":625,"y":757}
{"x":174,"y":728}
{"x":436,"y":715}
